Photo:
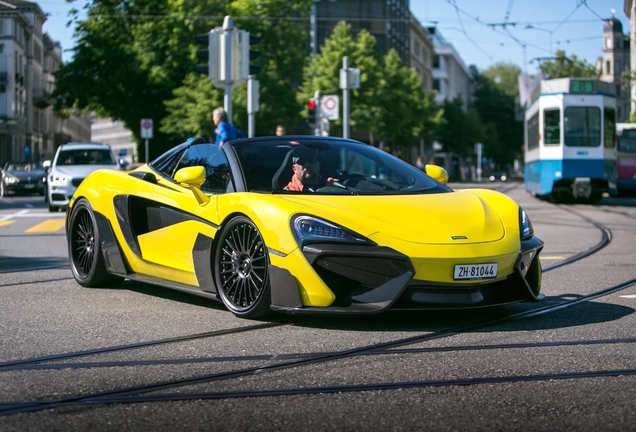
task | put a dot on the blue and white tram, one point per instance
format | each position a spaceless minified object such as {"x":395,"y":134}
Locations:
{"x":570,"y":145}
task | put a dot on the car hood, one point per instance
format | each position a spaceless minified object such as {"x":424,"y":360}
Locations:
{"x":23,"y":175}
{"x":446,"y":218}
{"x":80,"y":171}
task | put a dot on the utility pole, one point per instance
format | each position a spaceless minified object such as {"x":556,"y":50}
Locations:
{"x":349,"y":79}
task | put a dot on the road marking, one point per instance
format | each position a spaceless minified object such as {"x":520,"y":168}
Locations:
{"x":629,"y":296}
{"x":5,"y":223}
{"x":14,"y":215}
{"x":551,"y":257}
{"x":50,"y":225}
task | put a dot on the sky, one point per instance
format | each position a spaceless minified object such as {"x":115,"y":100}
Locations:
{"x":483,"y":32}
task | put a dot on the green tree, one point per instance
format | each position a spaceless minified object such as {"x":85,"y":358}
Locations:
{"x":323,"y":74}
{"x":131,"y":55}
{"x":390,"y":100}
{"x":460,"y":130}
{"x":563,"y":66}
{"x":505,"y":75}
{"x":497,"y":109}
{"x":407,"y":112}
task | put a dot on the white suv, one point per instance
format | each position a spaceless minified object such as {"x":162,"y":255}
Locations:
{"x":72,"y":163}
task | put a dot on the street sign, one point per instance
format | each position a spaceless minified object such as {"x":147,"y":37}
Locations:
{"x":146,"y":128}
{"x":330,"y":107}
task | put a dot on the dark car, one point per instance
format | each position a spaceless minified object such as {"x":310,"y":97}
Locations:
{"x":22,"y":177}
{"x":498,"y":175}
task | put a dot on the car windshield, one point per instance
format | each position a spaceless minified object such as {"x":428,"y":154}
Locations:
{"x":85,"y":157}
{"x":23,"y":166}
{"x":337,"y":167}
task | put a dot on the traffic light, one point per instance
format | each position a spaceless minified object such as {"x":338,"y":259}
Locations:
{"x":254,"y":54}
{"x":208,"y":54}
{"x":311,"y":111}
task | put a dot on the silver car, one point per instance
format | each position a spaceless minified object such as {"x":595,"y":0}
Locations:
{"x":72,"y":163}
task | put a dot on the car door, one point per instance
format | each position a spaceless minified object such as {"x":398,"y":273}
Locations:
{"x":173,"y":230}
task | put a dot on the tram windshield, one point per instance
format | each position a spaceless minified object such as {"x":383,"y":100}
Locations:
{"x":627,"y":141}
{"x":582,"y":126}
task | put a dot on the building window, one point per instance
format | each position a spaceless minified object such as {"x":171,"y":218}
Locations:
{"x":608,"y":42}
{"x":436,"y":84}
{"x":436,"y":61}
{"x":608,"y":67}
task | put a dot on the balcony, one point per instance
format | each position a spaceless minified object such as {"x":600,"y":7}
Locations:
{"x":41,"y":98}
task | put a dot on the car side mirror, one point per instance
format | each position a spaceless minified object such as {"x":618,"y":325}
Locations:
{"x":438,"y":173}
{"x":194,"y":178}
{"x":46,"y":165}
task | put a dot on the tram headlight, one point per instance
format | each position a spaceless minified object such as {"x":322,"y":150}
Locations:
{"x":525,"y":226}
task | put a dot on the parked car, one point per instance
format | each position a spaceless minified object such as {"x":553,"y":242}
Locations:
{"x":367,"y":233}
{"x":22,"y":177}
{"x":498,"y":175}
{"x":71,"y":164}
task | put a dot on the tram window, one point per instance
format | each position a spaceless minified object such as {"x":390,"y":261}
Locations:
{"x":533,"y":131}
{"x":610,"y":127}
{"x":552,"y":126}
{"x":582,"y":126}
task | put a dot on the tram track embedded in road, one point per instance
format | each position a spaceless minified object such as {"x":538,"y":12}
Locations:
{"x":140,"y":393}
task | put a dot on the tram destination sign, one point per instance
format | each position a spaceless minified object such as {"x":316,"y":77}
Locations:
{"x":582,"y":86}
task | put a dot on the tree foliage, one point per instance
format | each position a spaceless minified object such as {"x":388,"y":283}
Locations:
{"x":503,"y":137}
{"x":390,"y":100}
{"x":505,"y":75}
{"x":563,"y":66}
{"x":460,"y":130}
{"x":132,"y":55}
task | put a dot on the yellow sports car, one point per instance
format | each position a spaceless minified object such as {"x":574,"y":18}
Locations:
{"x":302,"y":224}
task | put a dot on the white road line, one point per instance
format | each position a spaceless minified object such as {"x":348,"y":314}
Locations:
{"x":14,"y":215}
{"x":629,"y":296}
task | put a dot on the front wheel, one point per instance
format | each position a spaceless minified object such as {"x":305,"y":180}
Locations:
{"x":85,"y":253}
{"x":240,"y":269}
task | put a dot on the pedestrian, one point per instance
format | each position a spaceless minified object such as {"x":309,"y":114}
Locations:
{"x":419,"y":163}
{"x":225,"y":131}
{"x":280,"y":130}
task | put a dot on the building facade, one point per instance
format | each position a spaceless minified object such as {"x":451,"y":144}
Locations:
{"x":615,"y":61}
{"x":451,"y":77}
{"x":421,"y":58}
{"x":115,"y":134}
{"x":30,"y":129}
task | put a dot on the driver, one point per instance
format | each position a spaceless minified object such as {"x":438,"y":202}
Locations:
{"x":307,"y":177}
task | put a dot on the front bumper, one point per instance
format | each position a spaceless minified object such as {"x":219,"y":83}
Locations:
{"x":373,"y":279}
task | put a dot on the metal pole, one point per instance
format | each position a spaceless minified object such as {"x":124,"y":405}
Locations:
{"x":345,"y":99}
{"x":312,"y":31}
{"x":147,"y":150}
{"x":250,"y":108}
{"x":228,"y":30}
{"x":318,"y":113}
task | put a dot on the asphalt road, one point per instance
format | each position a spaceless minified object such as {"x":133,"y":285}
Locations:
{"x":571,"y":365}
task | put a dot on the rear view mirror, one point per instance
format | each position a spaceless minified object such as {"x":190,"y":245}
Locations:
{"x":438,"y":173}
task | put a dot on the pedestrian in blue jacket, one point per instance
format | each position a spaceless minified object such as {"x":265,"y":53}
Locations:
{"x":225,"y":131}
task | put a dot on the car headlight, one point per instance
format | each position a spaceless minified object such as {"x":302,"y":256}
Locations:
{"x":525,"y":225}
{"x":58,"y":179}
{"x":309,"y":229}
{"x":11,"y":179}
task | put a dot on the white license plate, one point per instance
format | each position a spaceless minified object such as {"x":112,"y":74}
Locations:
{"x":475,"y":271}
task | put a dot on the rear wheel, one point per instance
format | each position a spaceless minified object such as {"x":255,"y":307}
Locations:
{"x":85,"y":253}
{"x":241,"y":273}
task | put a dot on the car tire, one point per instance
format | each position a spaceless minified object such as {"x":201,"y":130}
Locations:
{"x":85,"y":254}
{"x":241,"y":269}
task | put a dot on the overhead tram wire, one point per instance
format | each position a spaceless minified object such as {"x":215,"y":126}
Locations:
{"x":454,"y":4}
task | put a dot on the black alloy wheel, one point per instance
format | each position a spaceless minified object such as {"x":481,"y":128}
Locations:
{"x":87,"y":261}
{"x":241,"y":274}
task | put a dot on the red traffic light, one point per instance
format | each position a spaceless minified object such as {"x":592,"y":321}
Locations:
{"x":311,"y":104}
